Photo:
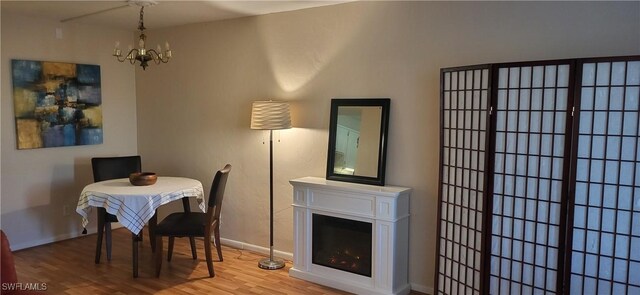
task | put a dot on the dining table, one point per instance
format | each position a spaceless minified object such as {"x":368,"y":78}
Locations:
{"x":135,"y":206}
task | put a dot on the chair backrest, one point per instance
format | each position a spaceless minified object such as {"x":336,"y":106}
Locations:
{"x":217,"y":193}
{"x":115,"y":167}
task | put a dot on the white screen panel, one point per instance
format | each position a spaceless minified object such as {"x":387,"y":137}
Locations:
{"x":602,"y":255}
{"x":528,"y":175}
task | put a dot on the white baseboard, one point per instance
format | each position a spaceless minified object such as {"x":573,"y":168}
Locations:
{"x":34,"y":243}
{"x":255,"y":248}
{"x":58,"y":238}
{"x":421,"y":288}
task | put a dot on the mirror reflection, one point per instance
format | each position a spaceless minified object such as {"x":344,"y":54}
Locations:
{"x":357,"y":140}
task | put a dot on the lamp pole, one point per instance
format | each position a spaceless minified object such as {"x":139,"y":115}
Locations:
{"x":271,"y":263}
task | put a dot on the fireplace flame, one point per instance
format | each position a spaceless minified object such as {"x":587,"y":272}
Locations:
{"x":345,"y":259}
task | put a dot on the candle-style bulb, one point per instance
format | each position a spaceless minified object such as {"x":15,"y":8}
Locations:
{"x":117,"y":44}
{"x":166,"y":45}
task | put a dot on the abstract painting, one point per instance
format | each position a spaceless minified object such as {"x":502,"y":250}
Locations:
{"x":56,"y":104}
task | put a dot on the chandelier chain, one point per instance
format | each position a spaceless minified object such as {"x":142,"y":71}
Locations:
{"x":141,"y":22}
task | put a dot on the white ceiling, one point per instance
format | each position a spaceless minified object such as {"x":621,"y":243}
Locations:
{"x":121,"y":15}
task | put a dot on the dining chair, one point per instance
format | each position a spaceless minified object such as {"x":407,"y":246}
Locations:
{"x":195,"y":224}
{"x":106,"y":168}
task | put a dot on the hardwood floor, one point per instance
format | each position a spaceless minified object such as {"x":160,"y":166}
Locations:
{"x":67,"y":267}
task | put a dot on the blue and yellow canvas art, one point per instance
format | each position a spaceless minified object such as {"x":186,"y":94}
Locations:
{"x":56,"y":104}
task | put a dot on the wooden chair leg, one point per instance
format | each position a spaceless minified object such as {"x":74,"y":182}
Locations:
{"x":107,"y":234}
{"x":153,"y":222}
{"x":158,"y":254}
{"x":207,"y":253}
{"x":170,"y":250}
{"x":216,"y":236}
{"x":134,"y":246}
{"x":100,"y":234}
{"x":192,"y":241}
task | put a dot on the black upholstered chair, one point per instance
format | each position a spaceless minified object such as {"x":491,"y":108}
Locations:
{"x":107,"y":168}
{"x":195,"y":224}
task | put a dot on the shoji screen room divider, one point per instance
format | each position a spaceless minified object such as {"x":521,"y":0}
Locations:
{"x":540,"y":178}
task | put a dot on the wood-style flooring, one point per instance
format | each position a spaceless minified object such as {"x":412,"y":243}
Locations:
{"x":68,"y":267}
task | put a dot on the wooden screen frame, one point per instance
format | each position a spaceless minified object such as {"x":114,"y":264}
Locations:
{"x":487,"y":139}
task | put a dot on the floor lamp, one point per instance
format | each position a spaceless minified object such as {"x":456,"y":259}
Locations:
{"x":270,"y":115}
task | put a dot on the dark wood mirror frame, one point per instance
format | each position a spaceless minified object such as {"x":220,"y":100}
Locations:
{"x":336,"y":103}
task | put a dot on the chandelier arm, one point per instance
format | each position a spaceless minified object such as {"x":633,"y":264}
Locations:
{"x":153,"y":53}
{"x":157,"y":56}
{"x":133,"y":54}
{"x":119,"y":59}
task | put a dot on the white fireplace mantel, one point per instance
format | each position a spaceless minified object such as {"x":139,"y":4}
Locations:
{"x":385,"y":207}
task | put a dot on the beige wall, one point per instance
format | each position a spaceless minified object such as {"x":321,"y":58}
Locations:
{"x":194,"y":112}
{"x":38,"y":183}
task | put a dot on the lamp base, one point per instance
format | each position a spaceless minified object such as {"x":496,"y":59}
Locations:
{"x":271,"y":264}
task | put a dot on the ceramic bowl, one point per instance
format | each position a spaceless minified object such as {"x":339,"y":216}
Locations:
{"x":143,"y":178}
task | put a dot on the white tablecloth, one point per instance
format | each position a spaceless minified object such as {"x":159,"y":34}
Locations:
{"x":135,"y":205}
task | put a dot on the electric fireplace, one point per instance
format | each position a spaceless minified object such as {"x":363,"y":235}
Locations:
{"x":342,"y":244}
{"x":353,"y":237}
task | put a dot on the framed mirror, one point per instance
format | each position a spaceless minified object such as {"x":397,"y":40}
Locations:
{"x":357,"y":140}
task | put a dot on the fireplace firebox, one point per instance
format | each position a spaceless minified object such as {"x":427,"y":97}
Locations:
{"x":342,"y":244}
{"x":353,"y":237}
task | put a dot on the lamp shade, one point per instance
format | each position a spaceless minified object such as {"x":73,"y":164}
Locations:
{"x":270,"y":115}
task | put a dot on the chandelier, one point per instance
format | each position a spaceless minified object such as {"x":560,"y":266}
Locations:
{"x":142,"y":54}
